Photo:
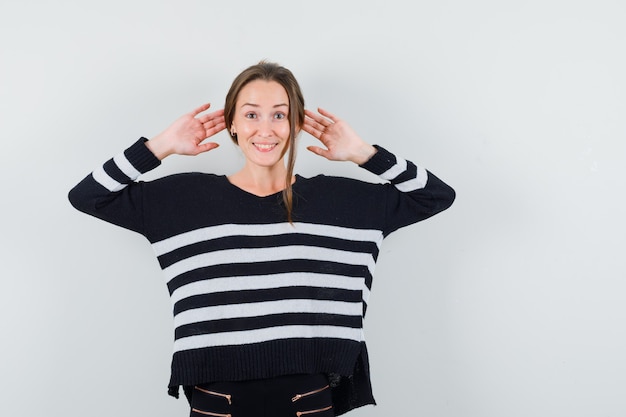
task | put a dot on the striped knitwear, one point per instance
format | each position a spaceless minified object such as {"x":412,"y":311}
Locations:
{"x":254,"y":296}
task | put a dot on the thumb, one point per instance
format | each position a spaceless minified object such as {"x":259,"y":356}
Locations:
{"x":318,"y":151}
{"x":205,"y":147}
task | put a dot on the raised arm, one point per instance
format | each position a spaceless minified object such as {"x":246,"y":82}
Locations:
{"x":412,"y":193}
{"x":110,"y":191}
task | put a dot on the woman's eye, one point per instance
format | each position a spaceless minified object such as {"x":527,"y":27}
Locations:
{"x":280,"y":115}
{"x":250,"y":116}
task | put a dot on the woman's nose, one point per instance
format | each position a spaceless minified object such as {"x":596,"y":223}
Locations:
{"x":265,"y":127}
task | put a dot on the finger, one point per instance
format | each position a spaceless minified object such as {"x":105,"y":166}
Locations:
{"x":215,"y":129}
{"x":217,"y":113}
{"x":318,"y":151}
{"x":319,"y":125}
{"x":209,"y":116}
{"x":310,"y":128}
{"x":208,"y":122}
{"x":200,"y":109}
{"x":205,"y":147}
{"x":317,"y":118}
{"x":328,"y":114}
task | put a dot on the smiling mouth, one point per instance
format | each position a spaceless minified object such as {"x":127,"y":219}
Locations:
{"x":265,"y":147}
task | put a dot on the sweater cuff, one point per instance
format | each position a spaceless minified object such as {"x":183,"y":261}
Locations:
{"x":380,"y":162}
{"x":141,"y":158}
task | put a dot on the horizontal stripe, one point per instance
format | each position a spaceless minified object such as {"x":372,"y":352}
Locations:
{"x":104,"y":179}
{"x":269,"y":268}
{"x":259,"y":282}
{"x":273,"y":229}
{"x":398,"y":168}
{"x":264,"y":322}
{"x":113,"y":171}
{"x":254,"y":255}
{"x":125,"y":166}
{"x":264,"y":335}
{"x":266,"y":308}
{"x":272,"y":241}
{"x":266,"y":295}
{"x":414,"y":184}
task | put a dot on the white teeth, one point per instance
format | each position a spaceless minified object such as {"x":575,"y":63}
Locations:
{"x":264,"y":146}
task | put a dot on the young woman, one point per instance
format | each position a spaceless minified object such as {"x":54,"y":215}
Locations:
{"x":269,"y":272}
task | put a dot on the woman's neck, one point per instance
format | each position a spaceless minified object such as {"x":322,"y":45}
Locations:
{"x":260,"y":181}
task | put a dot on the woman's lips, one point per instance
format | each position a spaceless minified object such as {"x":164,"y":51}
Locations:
{"x":265,"y":147}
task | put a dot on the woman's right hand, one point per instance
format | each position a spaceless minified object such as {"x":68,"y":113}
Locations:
{"x":186,"y":134}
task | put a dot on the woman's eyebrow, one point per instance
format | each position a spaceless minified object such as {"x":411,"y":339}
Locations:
{"x":257,"y":105}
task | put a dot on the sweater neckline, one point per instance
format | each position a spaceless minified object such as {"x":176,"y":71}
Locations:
{"x":244,"y":192}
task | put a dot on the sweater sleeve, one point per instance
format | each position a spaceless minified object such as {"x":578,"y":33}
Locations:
{"x":111,"y":193}
{"x":412,"y":194}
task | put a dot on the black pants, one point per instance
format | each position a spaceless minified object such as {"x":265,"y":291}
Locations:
{"x":285,"y":396}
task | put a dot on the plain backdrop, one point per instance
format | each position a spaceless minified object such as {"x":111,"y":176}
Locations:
{"x":509,"y":304}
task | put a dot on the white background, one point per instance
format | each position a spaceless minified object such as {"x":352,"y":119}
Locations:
{"x":511,"y":303}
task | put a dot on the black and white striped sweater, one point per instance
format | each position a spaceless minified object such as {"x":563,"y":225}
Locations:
{"x":254,"y":296}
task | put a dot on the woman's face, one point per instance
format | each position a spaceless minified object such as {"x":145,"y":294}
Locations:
{"x":261,"y":122}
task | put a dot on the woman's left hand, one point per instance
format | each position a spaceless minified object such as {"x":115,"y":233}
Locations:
{"x":342,"y":143}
